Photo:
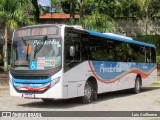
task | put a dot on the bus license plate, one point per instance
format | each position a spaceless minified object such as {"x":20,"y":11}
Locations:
{"x":28,"y":95}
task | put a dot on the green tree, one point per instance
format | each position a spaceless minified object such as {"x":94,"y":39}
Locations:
{"x":97,"y":14}
{"x":149,"y":8}
{"x":36,"y":11}
{"x":57,"y":5}
{"x":14,"y":15}
{"x":128,"y":8}
{"x":94,"y":14}
{"x":98,"y":22}
{"x":66,"y":6}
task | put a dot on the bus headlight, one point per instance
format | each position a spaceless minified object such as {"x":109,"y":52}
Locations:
{"x":55,"y":81}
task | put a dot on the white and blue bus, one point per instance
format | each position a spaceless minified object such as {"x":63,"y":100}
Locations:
{"x":54,"y":61}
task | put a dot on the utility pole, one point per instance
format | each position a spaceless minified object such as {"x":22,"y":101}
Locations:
{"x":5,"y":59}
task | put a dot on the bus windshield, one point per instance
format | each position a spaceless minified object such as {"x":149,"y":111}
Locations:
{"x":36,"y":54}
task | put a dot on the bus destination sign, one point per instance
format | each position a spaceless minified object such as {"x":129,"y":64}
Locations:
{"x":37,"y":31}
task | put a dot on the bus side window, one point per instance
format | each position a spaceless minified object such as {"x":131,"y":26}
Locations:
{"x":67,"y":52}
{"x":148,"y":55}
{"x":110,"y":50}
{"x":77,"y":51}
{"x":86,"y":53}
{"x":129,"y":52}
{"x":153,"y":55}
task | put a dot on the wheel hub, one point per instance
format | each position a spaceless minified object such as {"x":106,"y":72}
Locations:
{"x":88,"y":91}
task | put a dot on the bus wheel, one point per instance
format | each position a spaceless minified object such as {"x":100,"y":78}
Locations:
{"x":47,"y":100}
{"x":88,"y":93}
{"x":137,"y":87}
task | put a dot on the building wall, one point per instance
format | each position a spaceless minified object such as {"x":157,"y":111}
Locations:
{"x":54,"y":21}
{"x":124,"y":26}
{"x":128,"y":27}
{"x":134,"y":27}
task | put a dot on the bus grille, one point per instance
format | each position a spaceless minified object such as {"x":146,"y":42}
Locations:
{"x":31,"y":77}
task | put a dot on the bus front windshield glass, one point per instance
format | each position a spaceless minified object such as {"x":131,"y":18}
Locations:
{"x":36,"y":54}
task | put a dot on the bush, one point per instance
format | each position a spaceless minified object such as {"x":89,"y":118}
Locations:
{"x":158,"y":62}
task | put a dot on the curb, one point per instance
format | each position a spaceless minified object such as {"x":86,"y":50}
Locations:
{"x":4,"y":88}
{"x":4,"y":82}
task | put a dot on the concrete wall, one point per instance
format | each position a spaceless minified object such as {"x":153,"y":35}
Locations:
{"x":134,"y":27}
{"x":124,"y":26}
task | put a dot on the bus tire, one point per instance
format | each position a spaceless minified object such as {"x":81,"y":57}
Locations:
{"x":137,"y":87}
{"x":88,"y":93}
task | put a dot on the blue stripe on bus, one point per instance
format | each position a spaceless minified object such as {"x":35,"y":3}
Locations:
{"x":31,"y":81}
{"x":119,"y":38}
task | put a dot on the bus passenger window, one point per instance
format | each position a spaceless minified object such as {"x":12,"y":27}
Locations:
{"x":86,"y":53}
{"x":67,"y":51}
{"x":153,"y":55}
{"x":148,"y":55}
{"x":77,"y":50}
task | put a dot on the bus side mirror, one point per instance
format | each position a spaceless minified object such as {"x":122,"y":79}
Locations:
{"x":72,"y":51}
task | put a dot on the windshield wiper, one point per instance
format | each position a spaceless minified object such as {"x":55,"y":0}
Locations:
{"x":24,"y":42}
{"x":38,"y":47}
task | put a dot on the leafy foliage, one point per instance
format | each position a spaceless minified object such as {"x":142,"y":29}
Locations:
{"x":129,"y":8}
{"x":14,"y":14}
{"x":57,"y":5}
{"x":98,"y":22}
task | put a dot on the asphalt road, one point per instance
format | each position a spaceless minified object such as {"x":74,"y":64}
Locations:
{"x":147,"y":100}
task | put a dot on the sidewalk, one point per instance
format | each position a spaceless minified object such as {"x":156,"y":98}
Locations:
{"x":4,"y":80}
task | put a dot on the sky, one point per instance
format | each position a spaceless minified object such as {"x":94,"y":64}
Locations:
{"x":44,"y":2}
